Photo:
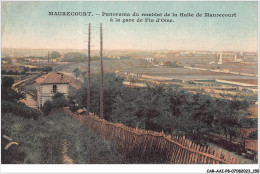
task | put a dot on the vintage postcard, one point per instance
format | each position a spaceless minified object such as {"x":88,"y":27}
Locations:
{"x":134,"y":82}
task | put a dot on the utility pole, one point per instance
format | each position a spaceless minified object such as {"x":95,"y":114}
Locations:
{"x":48,"y":57}
{"x":88,"y":97}
{"x":101,"y":73}
{"x":52,"y":63}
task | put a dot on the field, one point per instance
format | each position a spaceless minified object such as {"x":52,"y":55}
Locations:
{"x":109,"y":65}
{"x":183,"y":73}
{"x":235,"y":67}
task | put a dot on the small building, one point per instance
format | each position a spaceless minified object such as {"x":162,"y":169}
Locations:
{"x":149,"y":59}
{"x":50,"y":84}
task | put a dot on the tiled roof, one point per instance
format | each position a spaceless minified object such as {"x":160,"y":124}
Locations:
{"x":52,"y":78}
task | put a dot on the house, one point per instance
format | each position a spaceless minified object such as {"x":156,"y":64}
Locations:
{"x":150,"y":60}
{"x":50,"y":84}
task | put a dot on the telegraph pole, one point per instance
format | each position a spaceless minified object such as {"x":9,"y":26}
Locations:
{"x":101,"y":73}
{"x":88,"y":96}
{"x":51,"y":62}
{"x":48,"y":57}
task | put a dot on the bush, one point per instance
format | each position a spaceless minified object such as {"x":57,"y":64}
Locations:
{"x":59,"y":100}
{"x":20,"y":109}
{"x":7,"y":92}
{"x":72,"y":105}
{"x":7,"y":82}
{"x":3,"y":72}
{"x":253,"y":135}
{"x":47,"y":107}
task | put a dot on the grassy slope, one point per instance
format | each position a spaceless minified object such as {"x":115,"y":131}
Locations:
{"x":41,"y":141}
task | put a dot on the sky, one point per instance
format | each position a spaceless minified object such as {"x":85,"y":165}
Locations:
{"x":28,"y":25}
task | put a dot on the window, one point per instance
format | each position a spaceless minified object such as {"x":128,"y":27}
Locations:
{"x":54,"y":88}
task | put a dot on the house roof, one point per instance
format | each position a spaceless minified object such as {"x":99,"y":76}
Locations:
{"x":51,"y":78}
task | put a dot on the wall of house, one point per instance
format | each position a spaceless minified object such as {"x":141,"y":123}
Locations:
{"x":45,"y":92}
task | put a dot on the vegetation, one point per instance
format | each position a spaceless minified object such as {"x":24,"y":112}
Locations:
{"x":166,"y":108}
{"x":253,"y":135}
{"x":11,"y":72}
{"x":19,"y":109}
{"x":74,"y":57}
{"x":58,"y":101}
{"x":55,"y":54}
{"x":9,"y":94}
{"x":76,"y":72}
{"x":42,"y":141}
{"x":10,"y":101}
{"x":113,"y":87}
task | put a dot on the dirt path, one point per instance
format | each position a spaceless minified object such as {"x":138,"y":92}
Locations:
{"x":65,"y":158}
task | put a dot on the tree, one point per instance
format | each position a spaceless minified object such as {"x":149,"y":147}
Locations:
{"x":16,"y":73}
{"x":55,"y":54}
{"x":10,"y":72}
{"x":113,"y":86}
{"x":7,"y":92}
{"x":26,"y":69}
{"x":47,"y":107}
{"x":3,"y":72}
{"x":76,"y":72}
{"x":47,"y":69}
{"x":74,"y":57}
{"x":144,"y":108}
{"x":59,"y":100}
{"x":7,"y":82}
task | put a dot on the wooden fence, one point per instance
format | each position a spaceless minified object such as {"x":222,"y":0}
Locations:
{"x":156,"y":147}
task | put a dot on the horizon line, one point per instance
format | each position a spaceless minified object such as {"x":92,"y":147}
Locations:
{"x":126,"y":49}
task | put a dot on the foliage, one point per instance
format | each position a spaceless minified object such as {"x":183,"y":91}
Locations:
{"x":26,"y":69}
{"x":113,"y":86}
{"x":253,"y":135}
{"x":249,"y":123}
{"x":72,"y":105}
{"x":76,"y":72}
{"x":47,"y":69}
{"x":47,"y":107}
{"x":7,"y":92}
{"x":58,"y":101}
{"x":74,"y":57}
{"x":19,"y":109}
{"x":42,"y":141}
{"x":166,"y":108}
{"x":7,"y":82}
{"x":55,"y":54}
{"x":10,"y":101}
{"x":3,"y":72}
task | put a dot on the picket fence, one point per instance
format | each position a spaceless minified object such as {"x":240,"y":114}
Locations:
{"x":146,"y":144}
